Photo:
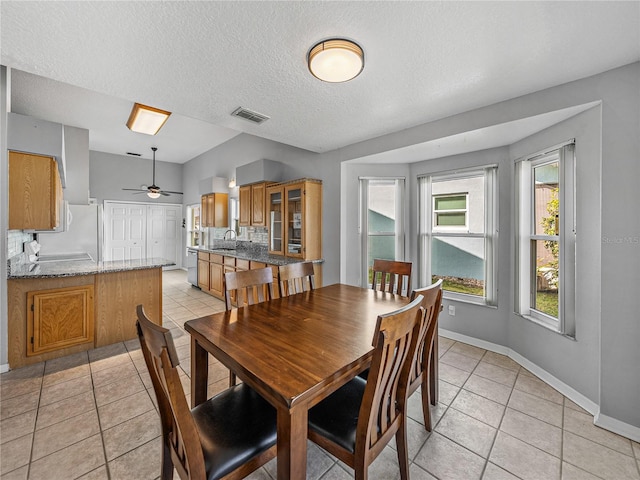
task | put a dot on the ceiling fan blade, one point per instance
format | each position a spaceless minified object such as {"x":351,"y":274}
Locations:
{"x":134,"y":189}
{"x":169,"y":191}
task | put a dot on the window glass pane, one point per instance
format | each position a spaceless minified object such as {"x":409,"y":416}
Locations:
{"x":383,"y":247}
{"x":460,"y":263}
{"x":451,"y":219}
{"x":547,"y":282}
{"x":382,"y":206}
{"x":546,"y":203}
{"x":458,"y":202}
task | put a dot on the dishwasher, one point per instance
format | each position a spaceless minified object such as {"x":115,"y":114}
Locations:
{"x":192,"y":266}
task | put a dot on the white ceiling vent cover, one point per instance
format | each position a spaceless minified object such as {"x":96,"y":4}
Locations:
{"x":250,"y":115}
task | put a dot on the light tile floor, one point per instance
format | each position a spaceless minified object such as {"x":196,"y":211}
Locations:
{"x":92,"y":416}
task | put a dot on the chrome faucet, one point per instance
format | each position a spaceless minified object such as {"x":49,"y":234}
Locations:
{"x":224,"y":237}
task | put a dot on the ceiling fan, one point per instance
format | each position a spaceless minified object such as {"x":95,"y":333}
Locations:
{"x":153,"y":191}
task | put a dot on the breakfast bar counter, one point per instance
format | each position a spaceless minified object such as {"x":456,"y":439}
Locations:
{"x":61,"y":308}
{"x":83,"y":267}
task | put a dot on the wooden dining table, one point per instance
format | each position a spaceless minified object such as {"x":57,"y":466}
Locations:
{"x":294,"y":351}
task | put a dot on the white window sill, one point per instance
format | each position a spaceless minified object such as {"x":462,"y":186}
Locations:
{"x":545,"y":325}
{"x":464,"y":298}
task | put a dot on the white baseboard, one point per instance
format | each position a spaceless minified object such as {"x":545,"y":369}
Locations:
{"x":4,"y":368}
{"x":603,"y":421}
{"x":616,"y":426}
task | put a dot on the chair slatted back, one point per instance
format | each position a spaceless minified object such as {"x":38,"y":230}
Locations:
{"x":432,"y":299}
{"x":179,"y":431}
{"x":295,"y":278}
{"x":247,"y":287}
{"x":391,"y":276}
{"x":384,"y":401}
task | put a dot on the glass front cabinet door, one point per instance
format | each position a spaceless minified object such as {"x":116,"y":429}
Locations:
{"x":276,"y":212}
{"x":295,"y":220}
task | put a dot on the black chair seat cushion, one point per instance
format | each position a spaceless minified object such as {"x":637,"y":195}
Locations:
{"x":336,"y":417}
{"x":234,"y":426}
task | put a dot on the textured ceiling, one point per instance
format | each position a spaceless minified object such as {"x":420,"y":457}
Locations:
{"x":201,"y":60}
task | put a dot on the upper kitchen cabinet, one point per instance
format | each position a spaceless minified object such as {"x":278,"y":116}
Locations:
{"x":295,"y":219}
{"x":215,"y":210}
{"x":253,"y":205}
{"x":35,"y":192}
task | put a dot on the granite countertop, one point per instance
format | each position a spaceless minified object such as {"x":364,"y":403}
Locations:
{"x":254,"y":254}
{"x":83,"y":267}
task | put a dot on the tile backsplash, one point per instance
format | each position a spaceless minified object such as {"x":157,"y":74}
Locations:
{"x":15,"y":240}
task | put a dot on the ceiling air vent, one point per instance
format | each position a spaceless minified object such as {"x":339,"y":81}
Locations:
{"x":250,"y":115}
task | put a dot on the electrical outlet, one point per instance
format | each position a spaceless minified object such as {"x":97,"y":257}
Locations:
{"x":452,"y":310}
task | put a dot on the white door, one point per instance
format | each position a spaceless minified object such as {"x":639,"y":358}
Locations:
{"x":138,"y":230}
{"x":163,"y":232}
{"x":125,"y":231}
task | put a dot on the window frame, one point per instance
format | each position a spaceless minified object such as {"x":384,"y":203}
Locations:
{"x":398,"y":233}
{"x":427,"y":231}
{"x":525,"y":260}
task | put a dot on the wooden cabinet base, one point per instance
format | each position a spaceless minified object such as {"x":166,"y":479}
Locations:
{"x":118,"y":295}
{"x":115,"y":296}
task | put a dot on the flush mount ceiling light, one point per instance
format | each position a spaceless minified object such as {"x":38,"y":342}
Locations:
{"x":145,"y":119}
{"x":336,"y":60}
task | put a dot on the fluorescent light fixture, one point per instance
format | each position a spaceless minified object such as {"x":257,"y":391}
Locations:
{"x":153,"y":195}
{"x":144,"y":119}
{"x":336,"y":60}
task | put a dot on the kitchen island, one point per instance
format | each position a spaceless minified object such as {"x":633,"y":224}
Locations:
{"x":60,"y":308}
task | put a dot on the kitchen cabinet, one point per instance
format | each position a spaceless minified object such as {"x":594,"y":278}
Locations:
{"x":215,"y":210}
{"x":216,"y":279}
{"x":203,"y":271}
{"x":59,"y":318}
{"x":35,"y":192}
{"x":295,"y":219}
{"x":253,"y":205}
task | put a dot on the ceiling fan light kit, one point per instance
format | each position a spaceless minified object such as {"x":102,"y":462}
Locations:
{"x":152,"y":191}
{"x":145,"y":119}
{"x":336,"y":60}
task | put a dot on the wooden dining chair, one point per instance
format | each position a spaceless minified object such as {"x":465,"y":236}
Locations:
{"x":247,"y":287}
{"x":391,"y":276}
{"x":359,"y":419}
{"x":423,"y":370}
{"x":226,"y":437}
{"x":295,"y":278}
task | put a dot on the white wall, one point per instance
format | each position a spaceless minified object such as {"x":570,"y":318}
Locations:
{"x":109,"y":174}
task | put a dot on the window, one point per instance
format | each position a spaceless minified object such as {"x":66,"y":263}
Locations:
{"x":546,"y":238}
{"x":450,"y":211}
{"x":193,"y":225}
{"x":381,"y":225}
{"x":458,"y":233}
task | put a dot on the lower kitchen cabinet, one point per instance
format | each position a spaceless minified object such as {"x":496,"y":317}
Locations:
{"x":203,"y":271}
{"x":59,"y":318}
{"x":216,"y":282}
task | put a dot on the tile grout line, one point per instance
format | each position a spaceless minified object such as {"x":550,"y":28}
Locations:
{"x":35,"y":421}
{"x":95,"y":401}
{"x":486,"y":461}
